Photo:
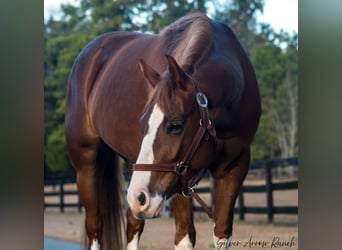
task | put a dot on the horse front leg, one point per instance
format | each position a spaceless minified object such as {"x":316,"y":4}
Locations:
{"x":134,"y":230}
{"x":185,"y":233}
{"x":226,"y":190}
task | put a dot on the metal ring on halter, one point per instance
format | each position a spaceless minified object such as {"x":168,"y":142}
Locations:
{"x":200,"y":95}
{"x":186,"y":195}
{"x":201,"y":122}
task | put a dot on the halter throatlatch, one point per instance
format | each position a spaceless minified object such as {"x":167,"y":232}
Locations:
{"x":181,"y":168}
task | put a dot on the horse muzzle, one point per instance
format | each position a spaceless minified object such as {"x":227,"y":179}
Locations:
{"x":145,"y":206}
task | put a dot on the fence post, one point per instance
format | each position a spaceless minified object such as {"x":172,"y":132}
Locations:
{"x":269,"y":191}
{"x":61,"y":196}
{"x":241,"y":207}
{"x":79,"y":204}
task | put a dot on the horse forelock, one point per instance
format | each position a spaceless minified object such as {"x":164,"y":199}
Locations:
{"x":189,"y":40}
{"x":172,"y":100}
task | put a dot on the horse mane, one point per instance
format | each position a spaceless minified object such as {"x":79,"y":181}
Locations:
{"x":189,"y":40}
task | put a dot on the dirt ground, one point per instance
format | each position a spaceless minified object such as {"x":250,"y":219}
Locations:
{"x":254,"y":233}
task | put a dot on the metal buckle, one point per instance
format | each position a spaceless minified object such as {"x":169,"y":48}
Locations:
{"x":202,"y":97}
{"x":181,"y":168}
{"x":187,"y":195}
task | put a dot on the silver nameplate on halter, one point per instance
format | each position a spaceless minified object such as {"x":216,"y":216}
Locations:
{"x":202,"y":99}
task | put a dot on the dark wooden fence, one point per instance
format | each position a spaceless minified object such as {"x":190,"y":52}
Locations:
{"x":263,"y":167}
{"x":58,"y":190}
{"x":268,"y":189}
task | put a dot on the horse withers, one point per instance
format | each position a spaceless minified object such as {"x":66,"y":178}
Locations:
{"x":173,"y":105}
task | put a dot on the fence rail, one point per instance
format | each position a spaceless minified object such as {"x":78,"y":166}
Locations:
{"x":268,"y":188}
{"x":61,"y":193}
{"x":269,"y":209}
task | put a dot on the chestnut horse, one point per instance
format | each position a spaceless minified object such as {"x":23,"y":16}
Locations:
{"x":172,"y":105}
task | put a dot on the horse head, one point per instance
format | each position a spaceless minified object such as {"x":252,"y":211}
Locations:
{"x":170,"y":124}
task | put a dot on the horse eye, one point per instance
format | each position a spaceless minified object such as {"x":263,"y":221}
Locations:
{"x":175,"y":127}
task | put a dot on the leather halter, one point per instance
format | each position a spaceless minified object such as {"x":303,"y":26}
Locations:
{"x":181,"y":168}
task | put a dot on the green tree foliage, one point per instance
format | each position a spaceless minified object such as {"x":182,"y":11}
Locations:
{"x":277,"y":74}
{"x":276,"y":67}
{"x":240,"y":16}
{"x":55,"y":154}
{"x":154,"y":15}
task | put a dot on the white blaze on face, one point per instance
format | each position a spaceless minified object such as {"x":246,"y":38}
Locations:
{"x":140,"y":179}
{"x":146,"y":151}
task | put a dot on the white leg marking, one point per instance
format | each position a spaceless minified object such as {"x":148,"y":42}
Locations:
{"x":184,"y":244}
{"x":141,"y":179}
{"x":223,"y":243}
{"x":134,"y":243}
{"x":95,"y":245}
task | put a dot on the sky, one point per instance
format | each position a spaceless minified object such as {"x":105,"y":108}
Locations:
{"x":281,"y":14}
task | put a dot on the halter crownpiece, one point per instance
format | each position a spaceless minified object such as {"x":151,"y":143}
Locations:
{"x":181,"y":168}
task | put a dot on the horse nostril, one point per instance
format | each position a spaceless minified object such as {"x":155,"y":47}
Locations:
{"x":142,"y":199}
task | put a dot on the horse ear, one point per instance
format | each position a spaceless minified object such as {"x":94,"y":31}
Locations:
{"x":177,"y":73}
{"x":150,"y":74}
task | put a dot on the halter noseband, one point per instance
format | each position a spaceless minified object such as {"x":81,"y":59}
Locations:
{"x":181,"y":168}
